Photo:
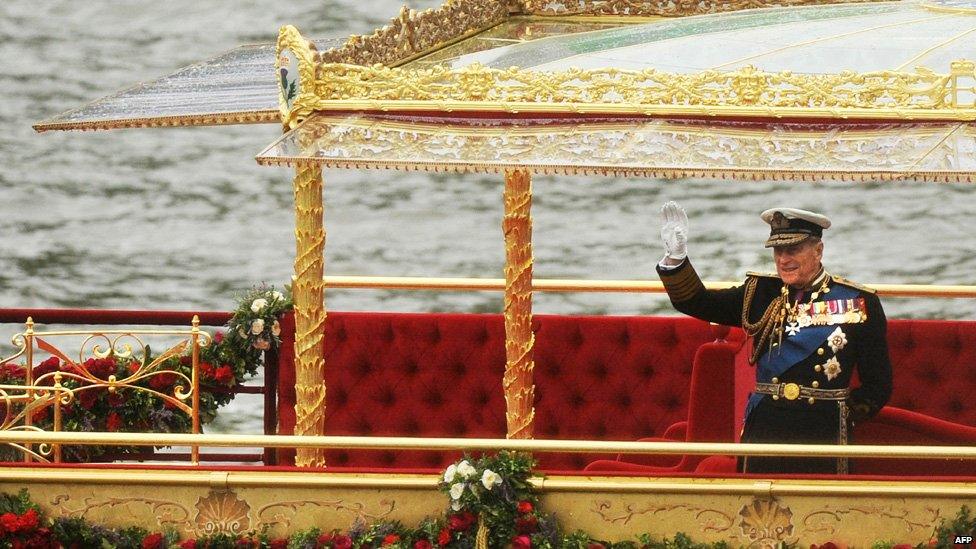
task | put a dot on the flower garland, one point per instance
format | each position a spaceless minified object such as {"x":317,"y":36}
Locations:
{"x":494,"y":493}
{"x":234,"y":356}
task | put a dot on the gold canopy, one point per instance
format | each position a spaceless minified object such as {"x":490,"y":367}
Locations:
{"x":662,"y":148}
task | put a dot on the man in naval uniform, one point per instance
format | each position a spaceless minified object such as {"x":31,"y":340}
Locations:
{"x":809,"y":331}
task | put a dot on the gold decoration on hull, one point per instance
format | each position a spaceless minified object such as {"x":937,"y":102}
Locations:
{"x":222,"y":511}
{"x":765,"y":523}
{"x":307,"y":290}
{"x":411,"y":32}
{"x":519,"y":339}
{"x":284,"y":513}
{"x":659,"y":7}
{"x":747,"y":92}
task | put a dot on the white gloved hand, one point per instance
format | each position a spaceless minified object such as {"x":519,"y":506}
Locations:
{"x":674,"y":230}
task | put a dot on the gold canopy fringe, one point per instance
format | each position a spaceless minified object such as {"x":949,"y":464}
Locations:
{"x":643,"y":8}
{"x":519,"y":339}
{"x":307,"y":289}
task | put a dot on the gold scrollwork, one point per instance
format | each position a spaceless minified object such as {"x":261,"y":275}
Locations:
{"x":711,"y":520}
{"x":166,"y":513}
{"x":657,"y":7}
{"x":828,"y":519}
{"x":282,"y":513}
{"x":750,"y":91}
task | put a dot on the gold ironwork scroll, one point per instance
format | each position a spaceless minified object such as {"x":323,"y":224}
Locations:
{"x":411,"y":32}
{"x":519,"y":339}
{"x":307,"y":290}
{"x":294,"y":55}
{"x":743,"y":92}
{"x":659,"y":7}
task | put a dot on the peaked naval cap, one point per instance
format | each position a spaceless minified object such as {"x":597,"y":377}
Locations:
{"x":789,"y":226}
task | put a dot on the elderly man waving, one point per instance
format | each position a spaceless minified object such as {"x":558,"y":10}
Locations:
{"x":809,"y":329}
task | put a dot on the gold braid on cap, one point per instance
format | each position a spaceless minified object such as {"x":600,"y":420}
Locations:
{"x":771,"y":320}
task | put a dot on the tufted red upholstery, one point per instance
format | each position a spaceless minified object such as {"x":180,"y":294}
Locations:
{"x":600,"y":377}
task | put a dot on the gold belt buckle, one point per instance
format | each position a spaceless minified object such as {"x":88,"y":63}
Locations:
{"x":791,"y":391}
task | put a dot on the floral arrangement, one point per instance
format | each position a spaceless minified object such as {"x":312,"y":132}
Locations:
{"x":496,"y":495}
{"x":234,"y":356}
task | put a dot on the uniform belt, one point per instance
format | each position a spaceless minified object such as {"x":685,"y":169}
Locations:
{"x":792,"y":391}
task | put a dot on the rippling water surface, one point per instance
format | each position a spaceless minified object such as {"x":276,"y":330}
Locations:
{"x":184,"y":218}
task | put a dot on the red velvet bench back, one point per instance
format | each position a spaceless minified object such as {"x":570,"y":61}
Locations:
{"x":439,"y":375}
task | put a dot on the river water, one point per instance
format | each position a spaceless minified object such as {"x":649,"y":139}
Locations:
{"x":185,"y":219}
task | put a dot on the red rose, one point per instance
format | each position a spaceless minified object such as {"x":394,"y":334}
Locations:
{"x":461,"y":521}
{"x":87,"y":398}
{"x":525,"y":507}
{"x":40,"y":415}
{"x":527,"y":525}
{"x":218,"y":337}
{"x":342,"y":542}
{"x":390,"y":539}
{"x":444,"y":537}
{"x":422,"y":544}
{"x":29,"y":520}
{"x":207,"y":369}
{"x":153,"y":541}
{"x":100,"y":367}
{"x":115,"y":399}
{"x":192,"y":544}
{"x":324,"y":540}
{"x":186,"y":360}
{"x":8,"y":523}
{"x":162,"y":381}
{"x":224,"y":375}
{"x":10,"y":371}
{"x":134,"y":367}
{"x":522,"y":542}
{"x":595,"y":545}
{"x":113,"y":422}
{"x":52,"y":364}
{"x":280,"y":543}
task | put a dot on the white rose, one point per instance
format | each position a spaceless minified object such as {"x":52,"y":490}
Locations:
{"x":258,"y":304}
{"x":450,"y":472}
{"x":276,"y":329}
{"x":456,"y":505}
{"x":278,"y":296}
{"x":457,"y":490}
{"x":257,"y":326}
{"x":466,"y":470}
{"x":490,"y":478}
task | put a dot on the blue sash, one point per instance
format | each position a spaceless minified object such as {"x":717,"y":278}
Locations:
{"x":794,"y":349}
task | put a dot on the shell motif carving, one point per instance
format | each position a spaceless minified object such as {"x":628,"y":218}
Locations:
{"x":764,"y":520}
{"x":222,"y":511}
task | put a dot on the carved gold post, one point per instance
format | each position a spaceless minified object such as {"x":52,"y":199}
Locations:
{"x":195,"y":384}
{"x":29,"y":379}
{"x":519,"y":339}
{"x":307,"y":290}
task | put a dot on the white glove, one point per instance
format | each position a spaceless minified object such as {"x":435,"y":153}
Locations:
{"x":674,"y":230}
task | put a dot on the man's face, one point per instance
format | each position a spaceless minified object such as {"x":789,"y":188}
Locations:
{"x":799,"y":263}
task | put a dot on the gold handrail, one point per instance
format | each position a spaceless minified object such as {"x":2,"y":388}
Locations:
{"x":492,"y":444}
{"x":624,"y":286}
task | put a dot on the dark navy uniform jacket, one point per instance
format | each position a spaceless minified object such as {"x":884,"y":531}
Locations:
{"x":805,"y":358}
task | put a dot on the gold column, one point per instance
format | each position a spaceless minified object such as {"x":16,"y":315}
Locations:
{"x":307,"y":292}
{"x":519,"y":339}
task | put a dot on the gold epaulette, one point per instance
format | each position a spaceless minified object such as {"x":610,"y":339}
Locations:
{"x":855,"y":285}
{"x":762,"y":275}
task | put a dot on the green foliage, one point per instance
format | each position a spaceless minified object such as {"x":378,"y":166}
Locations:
{"x":963,"y":524}
{"x":17,"y":504}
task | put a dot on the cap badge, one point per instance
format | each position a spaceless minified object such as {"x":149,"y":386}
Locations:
{"x":779,"y":222}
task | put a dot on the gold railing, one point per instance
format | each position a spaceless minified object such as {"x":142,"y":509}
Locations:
{"x":609,"y":286}
{"x":51,"y":391}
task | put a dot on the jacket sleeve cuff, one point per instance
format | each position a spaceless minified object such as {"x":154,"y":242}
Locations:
{"x":681,"y":282}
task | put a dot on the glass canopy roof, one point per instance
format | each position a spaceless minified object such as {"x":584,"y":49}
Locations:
{"x":236,"y":87}
{"x":636,"y":147}
{"x":814,"y":39}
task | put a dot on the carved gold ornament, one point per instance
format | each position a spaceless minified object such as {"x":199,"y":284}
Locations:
{"x":654,"y":7}
{"x":765,"y":522}
{"x":411,"y":32}
{"x":744,"y":92}
{"x":221,"y":511}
